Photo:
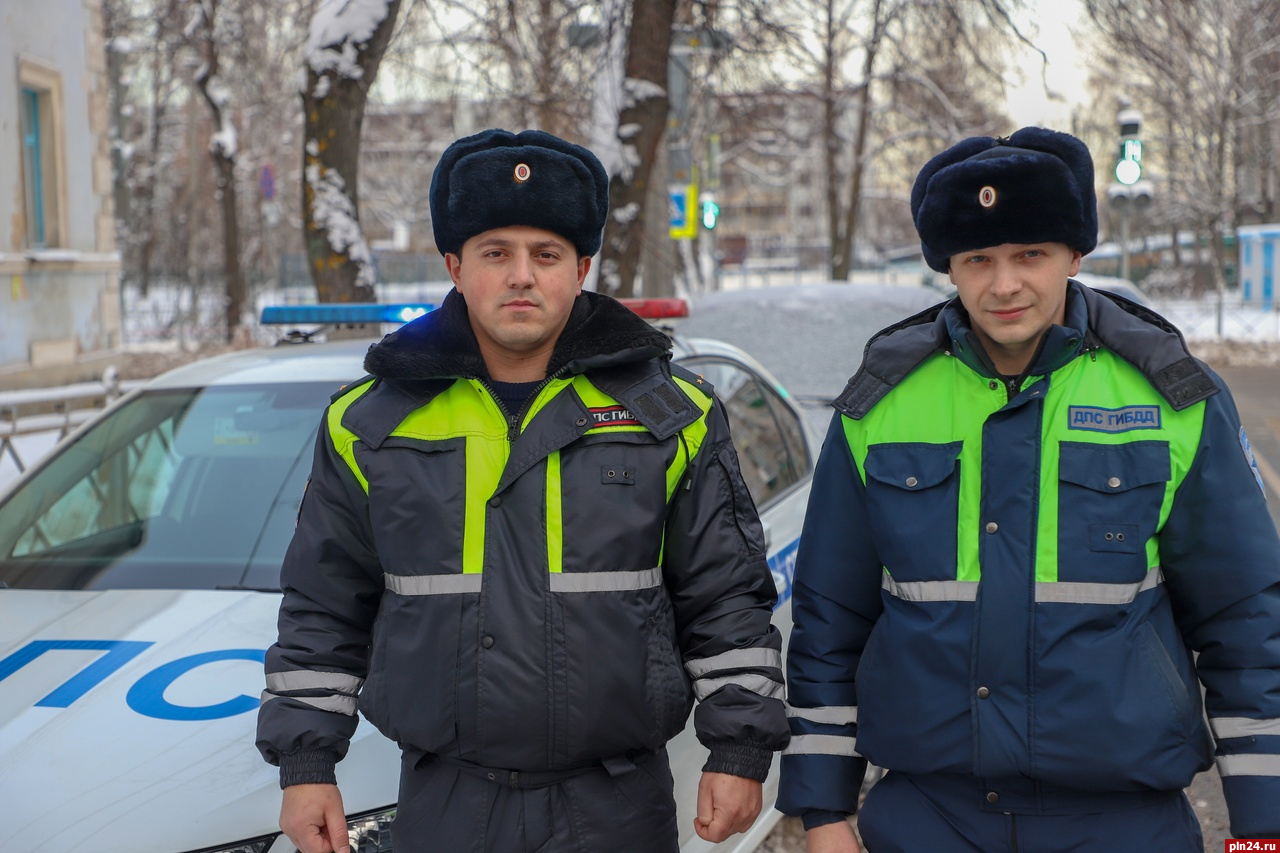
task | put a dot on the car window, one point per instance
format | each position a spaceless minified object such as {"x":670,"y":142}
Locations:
{"x":766,"y":432}
{"x":174,"y":489}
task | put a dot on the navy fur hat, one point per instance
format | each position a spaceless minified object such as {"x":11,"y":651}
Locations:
{"x":1034,"y":187}
{"x":496,"y":179}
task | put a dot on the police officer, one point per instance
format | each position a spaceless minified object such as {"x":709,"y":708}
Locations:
{"x":525,"y":547}
{"x":1032,"y":507}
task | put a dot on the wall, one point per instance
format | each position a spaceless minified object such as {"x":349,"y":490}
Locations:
{"x":59,"y":306}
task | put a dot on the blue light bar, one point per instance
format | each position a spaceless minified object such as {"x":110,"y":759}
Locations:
{"x":345,"y":312}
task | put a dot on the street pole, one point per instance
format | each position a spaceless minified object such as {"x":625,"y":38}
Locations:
{"x":1124,"y":241}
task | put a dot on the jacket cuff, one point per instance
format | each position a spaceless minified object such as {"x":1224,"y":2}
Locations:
{"x":748,"y":760}
{"x":308,"y":767}
{"x":817,"y":817}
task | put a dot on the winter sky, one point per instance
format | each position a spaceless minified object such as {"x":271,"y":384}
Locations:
{"x":1054,"y":26}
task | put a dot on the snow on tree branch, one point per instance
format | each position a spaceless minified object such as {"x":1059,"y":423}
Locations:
{"x":338,"y":29}
{"x":335,"y":214}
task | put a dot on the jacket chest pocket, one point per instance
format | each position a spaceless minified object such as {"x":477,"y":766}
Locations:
{"x":417,"y":504}
{"x":1109,"y":499}
{"x":604,"y":478}
{"x":913,"y":499}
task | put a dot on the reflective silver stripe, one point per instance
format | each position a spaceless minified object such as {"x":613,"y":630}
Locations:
{"x":1249,"y":765}
{"x":761,"y":684}
{"x":605,"y":581}
{"x":305,"y":679}
{"x":836,"y":715}
{"x":433,"y":584}
{"x":931,"y":590}
{"x":1243,"y":727}
{"x":337,"y":704}
{"x":1065,"y":592}
{"x":822,"y":745}
{"x":735,"y":659}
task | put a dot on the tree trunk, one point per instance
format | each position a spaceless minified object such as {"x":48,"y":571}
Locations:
{"x":237,"y":289}
{"x":333,"y":108}
{"x":842,"y":254}
{"x":641,"y":126}
{"x":222,"y":148}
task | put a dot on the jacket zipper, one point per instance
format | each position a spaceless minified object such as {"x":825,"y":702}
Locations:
{"x":513,"y":421}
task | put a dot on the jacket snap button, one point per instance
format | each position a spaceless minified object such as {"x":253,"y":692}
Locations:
{"x":612,"y":474}
{"x":911,"y":482}
{"x":993,"y":385}
{"x":993,"y":797}
{"x":495,"y":501}
{"x":983,"y":693}
{"x":992,"y":527}
{"x":487,"y":641}
{"x":1109,"y":536}
{"x":492,"y":777}
{"x":1114,"y":482}
{"x":582,"y":421}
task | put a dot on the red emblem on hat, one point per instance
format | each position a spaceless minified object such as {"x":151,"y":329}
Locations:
{"x":987,"y":196}
{"x":522,"y":172}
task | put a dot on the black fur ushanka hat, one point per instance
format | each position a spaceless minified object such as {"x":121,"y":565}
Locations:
{"x":496,"y":179}
{"x":1036,"y":186}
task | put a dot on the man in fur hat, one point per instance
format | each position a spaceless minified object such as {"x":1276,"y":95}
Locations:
{"x":1033,"y":507}
{"x":525,"y":547}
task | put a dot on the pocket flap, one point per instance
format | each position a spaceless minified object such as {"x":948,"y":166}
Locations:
{"x":1114,"y":468}
{"x":912,"y":467}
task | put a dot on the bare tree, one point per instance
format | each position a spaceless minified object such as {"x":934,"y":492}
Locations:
{"x":892,"y":79}
{"x":641,"y":122}
{"x":1204,"y":74}
{"x":209,"y":30}
{"x":345,"y":46}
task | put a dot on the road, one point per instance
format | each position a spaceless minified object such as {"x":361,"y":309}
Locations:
{"x":1256,"y":390}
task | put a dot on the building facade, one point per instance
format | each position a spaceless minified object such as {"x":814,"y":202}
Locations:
{"x":59,"y":268}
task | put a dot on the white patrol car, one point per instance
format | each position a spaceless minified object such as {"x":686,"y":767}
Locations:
{"x":139,"y":567}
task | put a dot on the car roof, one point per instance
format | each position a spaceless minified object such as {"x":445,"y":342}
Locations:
{"x":337,"y":362}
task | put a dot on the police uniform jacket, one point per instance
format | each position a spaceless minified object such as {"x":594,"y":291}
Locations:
{"x":536,"y":590}
{"x":1004,"y":580}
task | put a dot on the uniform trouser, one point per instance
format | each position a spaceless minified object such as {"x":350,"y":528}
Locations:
{"x":451,"y":809}
{"x":908,"y":814}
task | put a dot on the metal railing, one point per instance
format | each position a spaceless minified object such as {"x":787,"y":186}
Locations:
{"x":54,"y":410}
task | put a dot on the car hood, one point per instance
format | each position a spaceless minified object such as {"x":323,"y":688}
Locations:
{"x":127,"y":722}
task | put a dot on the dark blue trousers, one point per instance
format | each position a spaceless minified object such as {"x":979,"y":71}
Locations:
{"x":450,"y":809}
{"x":909,"y":814}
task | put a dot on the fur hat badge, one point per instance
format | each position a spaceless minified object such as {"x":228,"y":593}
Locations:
{"x":1036,"y":186}
{"x":496,"y":179}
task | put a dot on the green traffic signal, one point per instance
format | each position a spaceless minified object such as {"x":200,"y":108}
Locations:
{"x":710,"y":213}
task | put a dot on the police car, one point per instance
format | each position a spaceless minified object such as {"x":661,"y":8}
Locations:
{"x":139,"y":571}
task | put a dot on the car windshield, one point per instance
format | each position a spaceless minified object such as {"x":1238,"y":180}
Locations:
{"x":193,"y":488}
{"x":809,"y":336}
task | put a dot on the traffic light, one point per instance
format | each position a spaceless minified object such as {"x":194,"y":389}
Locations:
{"x":1129,"y":166}
{"x":710,"y":212}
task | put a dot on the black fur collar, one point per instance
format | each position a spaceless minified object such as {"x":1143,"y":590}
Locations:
{"x":600,"y":333}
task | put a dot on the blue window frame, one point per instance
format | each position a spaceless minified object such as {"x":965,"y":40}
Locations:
{"x":32,"y":167}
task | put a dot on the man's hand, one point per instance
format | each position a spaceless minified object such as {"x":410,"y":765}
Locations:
{"x":312,"y":817}
{"x":835,"y":837}
{"x":726,"y":804}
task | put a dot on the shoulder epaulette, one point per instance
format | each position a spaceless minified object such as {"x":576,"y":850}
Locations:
{"x":697,"y":380}
{"x":349,"y":387}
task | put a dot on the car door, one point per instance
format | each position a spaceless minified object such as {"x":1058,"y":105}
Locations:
{"x":777,"y":465}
